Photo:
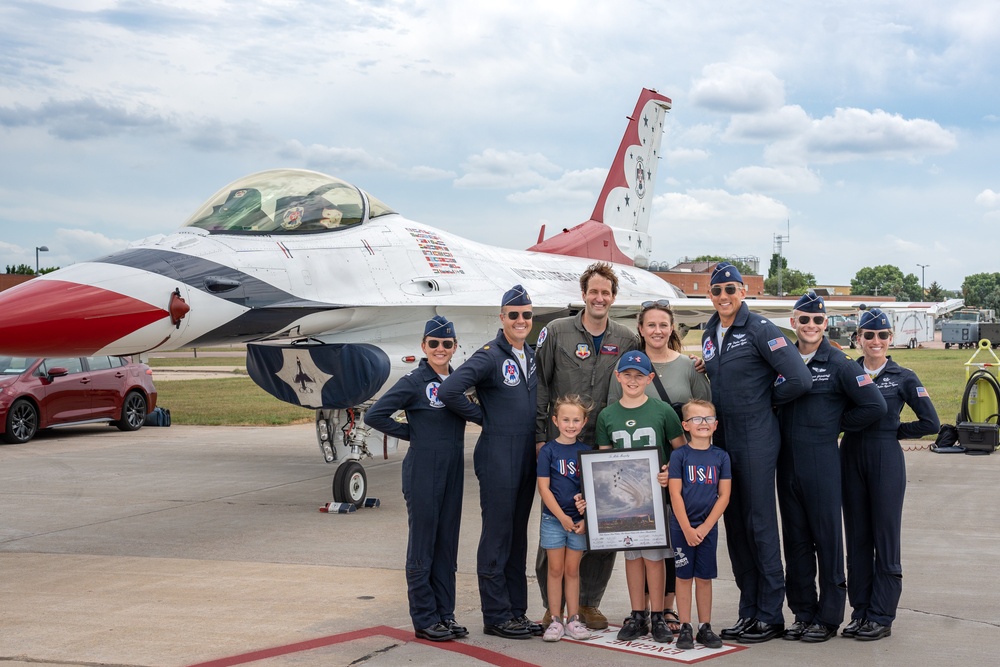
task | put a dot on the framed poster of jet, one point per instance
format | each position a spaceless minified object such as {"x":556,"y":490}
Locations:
{"x":625,"y":506}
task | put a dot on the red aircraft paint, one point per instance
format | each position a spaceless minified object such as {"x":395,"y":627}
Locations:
{"x":58,"y":317}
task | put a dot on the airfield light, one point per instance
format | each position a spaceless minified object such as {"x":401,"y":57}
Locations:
{"x":922,"y":267}
{"x":39,"y":248}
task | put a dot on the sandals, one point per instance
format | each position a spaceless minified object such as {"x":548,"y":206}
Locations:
{"x":673,"y":620}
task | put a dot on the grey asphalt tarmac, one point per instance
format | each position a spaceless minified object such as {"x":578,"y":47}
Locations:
{"x":185,"y":545}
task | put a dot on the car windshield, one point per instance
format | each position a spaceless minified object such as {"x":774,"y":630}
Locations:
{"x":15,"y":365}
{"x":286,"y":201}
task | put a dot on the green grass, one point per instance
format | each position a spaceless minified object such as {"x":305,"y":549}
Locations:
{"x":226,"y":402}
{"x":238,"y":401}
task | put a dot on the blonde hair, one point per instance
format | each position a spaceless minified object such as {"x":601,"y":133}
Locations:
{"x":574,"y":400}
{"x":697,"y":402}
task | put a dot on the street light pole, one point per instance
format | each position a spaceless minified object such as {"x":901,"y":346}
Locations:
{"x":922,"y":290}
{"x":40,"y":248}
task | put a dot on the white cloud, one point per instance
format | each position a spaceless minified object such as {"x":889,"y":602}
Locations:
{"x":505,"y":169}
{"x":783,"y":123}
{"x":774,"y":179}
{"x":699,"y":206}
{"x":988,"y":198}
{"x":579,"y":185}
{"x":851,"y":134}
{"x":733,"y":89}
{"x":318,"y":156}
{"x":681,"y":155}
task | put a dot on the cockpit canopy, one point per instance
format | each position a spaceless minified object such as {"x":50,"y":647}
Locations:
{"x":286,"y":201}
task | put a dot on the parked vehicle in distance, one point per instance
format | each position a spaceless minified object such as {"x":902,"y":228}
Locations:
{"x":39,"y":393}
{"x":842,"y":329}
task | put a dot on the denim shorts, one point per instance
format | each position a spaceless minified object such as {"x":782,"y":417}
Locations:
{"x":552,"y":535}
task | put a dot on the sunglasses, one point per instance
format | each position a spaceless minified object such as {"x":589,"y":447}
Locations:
{"x":513,"y":315}
{"x":446,"y":344}
{"x":716,"y":290}
{"x":659,"y":303}
{"x":816,"y":319}
{"x":882,"y":335}
{"x":701,"y":420}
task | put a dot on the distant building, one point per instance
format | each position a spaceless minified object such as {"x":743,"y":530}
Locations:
{"x":692,"y":279}
{"x":8,"y":280}
{"x":833,"y":290}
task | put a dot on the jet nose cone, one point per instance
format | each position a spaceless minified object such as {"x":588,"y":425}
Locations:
{"x":51,"y":317}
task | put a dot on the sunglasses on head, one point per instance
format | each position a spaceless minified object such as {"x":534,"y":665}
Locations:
{"x":446,"y":344}
{"x":661,"y":303}
{"x":513,"y":315}
{"x":816,"y":319}
{"x":882,"y":335}
{"x":701,"y":420}
{"x":717,"y":290}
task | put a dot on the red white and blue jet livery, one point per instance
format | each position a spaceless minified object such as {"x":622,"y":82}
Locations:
{"x":293,"y":255}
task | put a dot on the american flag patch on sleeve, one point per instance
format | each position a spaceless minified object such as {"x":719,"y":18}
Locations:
{"x":776,"y":344}
{"x":864,"y":379}
{"x":922,"y":393}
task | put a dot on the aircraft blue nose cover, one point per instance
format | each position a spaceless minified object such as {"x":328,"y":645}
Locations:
{"x":337,"y":375}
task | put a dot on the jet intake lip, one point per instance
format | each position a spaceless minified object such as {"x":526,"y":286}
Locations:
{"x":44,"y":318}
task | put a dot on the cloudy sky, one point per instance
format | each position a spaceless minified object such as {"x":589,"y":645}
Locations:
{"x":868,"y":132}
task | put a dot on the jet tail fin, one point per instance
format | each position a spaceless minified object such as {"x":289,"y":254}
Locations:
{"x":618,"y":228}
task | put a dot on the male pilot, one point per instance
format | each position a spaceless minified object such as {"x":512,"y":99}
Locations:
{"x":752,"y":367}
{"x":842,"y":398}
{"x":578,"y":355}
{"x":503,"y":374}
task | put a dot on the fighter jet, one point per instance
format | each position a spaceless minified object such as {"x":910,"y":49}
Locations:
{"x":331,"y":287}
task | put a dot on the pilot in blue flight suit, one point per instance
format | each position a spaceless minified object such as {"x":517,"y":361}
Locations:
{"x":874,"y":481}
{"x":752,"y":367}
{"x":503,"y":374}
{"x":841,"y":399}
{"x":433,"y":474}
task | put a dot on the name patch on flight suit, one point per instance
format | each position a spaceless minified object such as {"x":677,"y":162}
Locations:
{"x":609,"y":349}
{"x":431,"y":391}
{"x":582,"y":350}
{"x":738,"y":340}
{"x":511,"y":372}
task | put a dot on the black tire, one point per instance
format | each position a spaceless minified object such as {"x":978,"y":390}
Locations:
{"x":947,"y":346}
{"x":350,"y":484}
{"x":22,"y":422}
{"x":134,"y":411}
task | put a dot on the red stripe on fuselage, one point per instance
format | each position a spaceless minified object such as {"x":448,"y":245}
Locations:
{"x":56,"y":318}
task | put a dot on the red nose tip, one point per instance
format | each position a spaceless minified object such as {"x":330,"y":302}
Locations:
{"x":55,"y":317}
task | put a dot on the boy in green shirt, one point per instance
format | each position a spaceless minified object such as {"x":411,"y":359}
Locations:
{"x":640,"y":421}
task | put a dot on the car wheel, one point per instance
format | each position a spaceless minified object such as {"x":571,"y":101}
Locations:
{"x":22,"y":422}
{"x":133,"y":412}
{"x":350,"y":484}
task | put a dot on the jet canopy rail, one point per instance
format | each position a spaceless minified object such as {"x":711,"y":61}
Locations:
{"x":286,"y":201}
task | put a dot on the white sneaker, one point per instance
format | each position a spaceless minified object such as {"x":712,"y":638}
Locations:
{"x":577,"y":630}
{"x":554,"y":632}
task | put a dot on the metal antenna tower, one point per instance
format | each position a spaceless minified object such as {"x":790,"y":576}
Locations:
{"x":778,"y":241}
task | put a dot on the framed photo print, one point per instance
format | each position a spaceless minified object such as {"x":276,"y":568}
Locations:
{"x":625,"y":508}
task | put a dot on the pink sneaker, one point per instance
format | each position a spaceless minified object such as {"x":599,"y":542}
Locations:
{"x":554,"y":632}
{"x":577,"y":630}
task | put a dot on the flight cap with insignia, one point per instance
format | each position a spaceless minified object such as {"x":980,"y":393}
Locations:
{"x":874,"y":319}
{"x":724,"y":272}
{"x":515,"y":296}
{"x":810,"y":302}
{"x":637,"y":360}
{"x":439,"y":327}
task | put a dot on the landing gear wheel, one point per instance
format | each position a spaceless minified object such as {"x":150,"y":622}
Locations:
{"x":133,"y":412}
{"x":350,"y":484}
{"x":22,"y":422}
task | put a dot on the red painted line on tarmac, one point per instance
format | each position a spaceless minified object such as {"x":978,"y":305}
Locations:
{"x":477,"y":652}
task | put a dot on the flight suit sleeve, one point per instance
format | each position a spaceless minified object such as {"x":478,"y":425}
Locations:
{"x":544,"y":371}
{"x":868,"y":406}
{"x":452,"y":390}
{"x":916,"y":396}
{"x":379,"y":416}
{"x":782,"y":355}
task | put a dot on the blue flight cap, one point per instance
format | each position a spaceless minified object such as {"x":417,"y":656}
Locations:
{"x":515,"y":296}
{"x":810,"y":302}
{"x":874,"y":319}
{"x":439,"y":327}
{"x":637,"y":360}
{"x":724,"y":272}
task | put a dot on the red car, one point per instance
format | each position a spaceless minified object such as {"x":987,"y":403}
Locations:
{"x":59,"y":391}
